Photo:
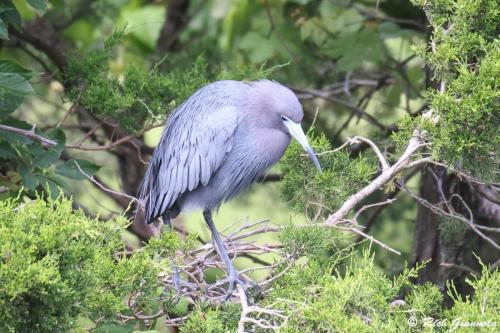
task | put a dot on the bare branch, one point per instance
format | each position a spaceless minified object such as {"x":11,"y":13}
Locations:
{"x":380,"y":156}
{"x":468,"y":221}
{"x":386,"y":176}
{"x":348,"y":105}
{"x":365,"y":207}
{"x":91,"y":178}
{"x":30,"y":134}
{"x":105,"y":147}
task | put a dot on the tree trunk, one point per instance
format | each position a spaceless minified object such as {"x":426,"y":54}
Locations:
{"x":450,"y":244}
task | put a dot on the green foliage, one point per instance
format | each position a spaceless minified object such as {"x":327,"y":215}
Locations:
{"x":8,"y":15}
{"x":304,"y":188}
{"x":321,"y":298}
{"x":356,"y":297}
{"x":484,"y":306}
{"x":136,"y":95}
{"x":312,"y":241}
{"x":14,"y":86}
{"x":466,"y":62}
{"x":57,"y":265}
{"x":451,"y":229}
{"x":205,"y":319}
{"x":39,"y":167}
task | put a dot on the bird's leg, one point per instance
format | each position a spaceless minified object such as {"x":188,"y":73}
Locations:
{"x":233,"y":277}
{"x":178,"y":282}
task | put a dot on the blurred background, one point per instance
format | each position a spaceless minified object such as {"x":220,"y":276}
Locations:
{"x":107,"y":73}
{"x":350,"y":63}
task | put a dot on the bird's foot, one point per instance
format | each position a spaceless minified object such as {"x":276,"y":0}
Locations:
{"x":181,"y":286}
{"x":234,"y":279}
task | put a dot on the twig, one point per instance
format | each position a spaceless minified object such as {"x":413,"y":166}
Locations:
{"x":384,"y":177}
{"x":348,"y":105}
{"x":365,"y":207}
{"x":459,"y":217}
{"x":381,"y":158}
{"x":30,"y":134}
{"x":91,"y":178}
{"x":66,"y":115}
{"x":104,"y":147}
{"x":374,"y":240}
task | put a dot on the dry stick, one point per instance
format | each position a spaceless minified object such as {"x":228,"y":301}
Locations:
{"x":30,"y":134}
{"x":365,"y":207}
{"x":66,"y":115}
{"x":380,"y":156}
{"x":440,"y":211}
{"x":348,"y":105}
{"x":102,"y":187}
{"x":105,"y":147}
{"x":89,"y":133}
{"x":374,"y":240}
{"x":386,"y":176}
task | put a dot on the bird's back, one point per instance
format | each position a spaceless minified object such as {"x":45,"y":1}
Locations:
{"x":196,"y":139}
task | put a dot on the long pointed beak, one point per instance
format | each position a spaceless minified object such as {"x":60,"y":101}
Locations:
{"x":297,"y":132}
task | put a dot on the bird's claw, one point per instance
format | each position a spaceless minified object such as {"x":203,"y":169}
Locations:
{"x":234,"y":279}
{"x":180,"y":286}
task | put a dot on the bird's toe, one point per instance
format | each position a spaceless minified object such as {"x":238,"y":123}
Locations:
{"x":234,"y":279}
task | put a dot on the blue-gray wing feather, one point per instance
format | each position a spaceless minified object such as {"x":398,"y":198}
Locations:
{"x":193,"y":145}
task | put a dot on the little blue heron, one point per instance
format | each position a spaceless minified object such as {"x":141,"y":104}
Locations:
{"x":215,"y":145}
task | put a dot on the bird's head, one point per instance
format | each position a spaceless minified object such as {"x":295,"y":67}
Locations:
{"x":281,"y":110}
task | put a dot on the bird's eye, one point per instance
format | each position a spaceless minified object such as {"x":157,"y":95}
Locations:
{"x":284,"y":118}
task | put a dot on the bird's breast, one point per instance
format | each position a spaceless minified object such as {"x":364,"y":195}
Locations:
{"x":270,"y":145}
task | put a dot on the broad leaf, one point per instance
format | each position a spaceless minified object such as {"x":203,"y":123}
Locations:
{"x":9,"y":104}
{"x":70,"y":169}
{"x":352,"y":49}
{"x":50,"y":186}
{"x":46,"y":158}
{"x":9,"y":14}
{"x":259,"y":48}
{"x":8,"y":66}
{"x":14,"y":84}
{"x":30,"y":180}
{"x":7,"y":152}
{"x":40,"y":5}
{"x":4,"y":34}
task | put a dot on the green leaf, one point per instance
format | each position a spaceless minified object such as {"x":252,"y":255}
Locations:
{"x":50,"y":186}
{"x":69,"y":169}
{"x":9,"y":14}
{"x":347,"y":21}
{"x":29,"y":179}
{"x":9,"y":104}
{"x":14,"y":84}
{"x":40,"y":5}
{"x":259,"y":48}
{"x":46,"y":159}
{"x":8,"y":66}
{"x":4,"y":34}
{"x":352,"y":49}
{"x":6,"y":151}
